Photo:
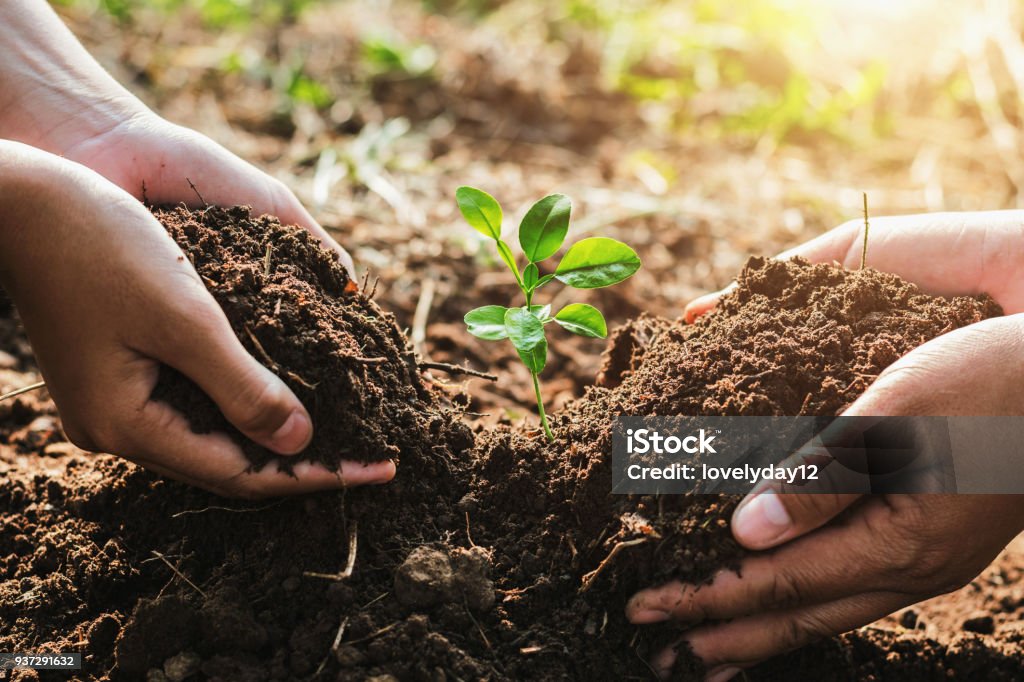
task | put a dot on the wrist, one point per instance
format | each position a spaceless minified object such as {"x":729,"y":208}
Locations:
{"x":53,"y":94}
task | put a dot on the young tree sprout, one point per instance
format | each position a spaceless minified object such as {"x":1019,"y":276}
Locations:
{"x":588,"y":264}
{"x":864,"y":249}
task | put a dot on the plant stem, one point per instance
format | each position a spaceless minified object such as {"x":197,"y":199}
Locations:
{"x":540,"y":408}
{"x":864,"y":251}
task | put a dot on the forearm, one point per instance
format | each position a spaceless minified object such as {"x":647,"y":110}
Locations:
{"x":53,"y":94}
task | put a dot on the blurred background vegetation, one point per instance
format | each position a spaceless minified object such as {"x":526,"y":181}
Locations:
{"x":700,"y":130}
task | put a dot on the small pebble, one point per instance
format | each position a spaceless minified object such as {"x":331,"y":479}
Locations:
{"x":980,"y":623}
{"x":181,"y":667}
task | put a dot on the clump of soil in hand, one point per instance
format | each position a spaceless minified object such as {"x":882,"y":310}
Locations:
{"x":294,"y":308}
{"x":793,"y":339}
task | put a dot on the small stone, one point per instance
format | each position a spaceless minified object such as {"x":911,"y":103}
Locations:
{"x":424,"y":579}
{"x":982,"y":623}
{"x":468,"y":503}
{"x":42,"y":424}
{"x":908,"y":619}
{"x":472,"y":578}
{"x":181,"y":667}
{"x":61,"y":449}
{"x":349,"y":656}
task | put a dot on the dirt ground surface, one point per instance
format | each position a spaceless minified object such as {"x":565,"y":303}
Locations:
{"x":469,"y":566}
{"x":478,"y":562}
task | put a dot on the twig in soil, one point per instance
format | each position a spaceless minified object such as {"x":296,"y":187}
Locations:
{"x":366,"y":361}
{"x":378,"y":633}
{"x":201,"y":199}
{"x":420,"y":317}
{"x":266,"y":260}
{"x":24,"y":389}
{"x":267,"y":360}
{"x":226,"y":509}
{"x":864,"y":250}
{"x":455,"y":369}
{"x":334,"y":646}
{"x":589,"y":578}
{"x":373,"y":601}
{"x":174,"y":569}
{"x":299,"y":380}
{"x":479,"y":629}
{"x":350,"y":563}
{"x":468,"y":536}
{"x":373,"y":290}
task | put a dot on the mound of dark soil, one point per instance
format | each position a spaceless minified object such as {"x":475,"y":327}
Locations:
{"x":494,"y":560}
{"x":294,"y":308}
{"x":791,"y":339}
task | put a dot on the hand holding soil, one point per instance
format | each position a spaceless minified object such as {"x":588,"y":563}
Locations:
{"x":104,"y":291}
{"x":107,"y":296}
{"x":905,"y":548}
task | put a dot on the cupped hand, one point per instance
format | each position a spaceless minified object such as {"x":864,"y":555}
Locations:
{"x":799,"y":586}
{"x":106,"y":297}
{"x":151,"y":158}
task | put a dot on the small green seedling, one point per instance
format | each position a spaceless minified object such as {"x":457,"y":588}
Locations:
{"x":588,"y":264}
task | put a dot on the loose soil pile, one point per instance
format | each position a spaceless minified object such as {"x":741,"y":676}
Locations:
{"x":294,"y":307}
{"x":488,"y":557}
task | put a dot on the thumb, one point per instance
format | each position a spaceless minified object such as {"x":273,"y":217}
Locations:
{"x":704,"y":304}
{"x":771,"y":515}
{"x":249,"y":395}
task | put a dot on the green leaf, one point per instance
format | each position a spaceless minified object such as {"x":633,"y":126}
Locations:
{"x":582,"y":319}
{"x":597,"y":262}
{"x":523,"y":328}
{"x":487,"y":322}
{"x":537,"y":358}
{"x":544,"y":227}
{"x":530,"y":276}
{"x":542,"y":281}
{"x":541,"y":312}
{"x":480,"y":210}
{"x":510,"y":260}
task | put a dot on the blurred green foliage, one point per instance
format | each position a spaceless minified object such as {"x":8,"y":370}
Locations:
{"x":734,"y":58}
{"x":214,"y":13}
{"x":719,"y":68}
{"x":385,"y":54}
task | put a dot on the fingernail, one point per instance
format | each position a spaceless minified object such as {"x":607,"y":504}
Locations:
{"x":761,"y":521}
{"x":648,"y":616}
{"x":292,"y":435}
{"x":722,"y":674}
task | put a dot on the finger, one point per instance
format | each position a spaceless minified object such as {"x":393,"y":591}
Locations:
{"x":952,"y":375}
{"x":802,"y":573}
{"x":203,"y":347}
{"x":222,"y":178}
{"x":728,"y":647}
{"x":271,"y":481}
{"x":769,"y":519}
{"x":164,"y":442}
{"x":918,"y":248}
{"x":704,"y":304}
